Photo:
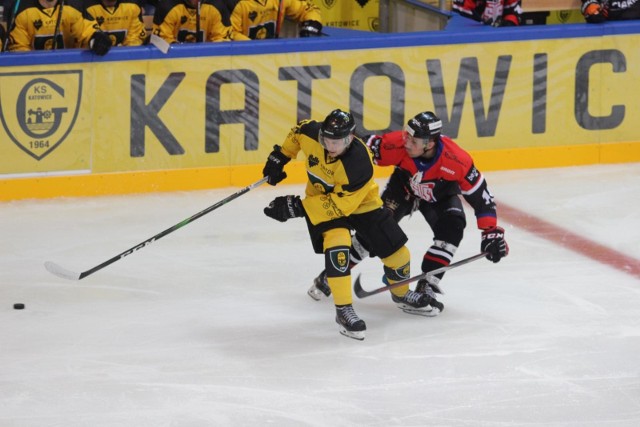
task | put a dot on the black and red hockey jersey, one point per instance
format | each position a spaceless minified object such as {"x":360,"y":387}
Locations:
{"x":450,"y":172}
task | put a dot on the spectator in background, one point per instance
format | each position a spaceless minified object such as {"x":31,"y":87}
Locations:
{"x":597,"y":11}
{"x":54,"y":24}
{"x":120,"y":19}
{"x":176,"y":21}
{"x":263,"y":20}
{"x":497,"y":13}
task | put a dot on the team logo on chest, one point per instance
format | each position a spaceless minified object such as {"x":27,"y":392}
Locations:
{"x":423,"y":190}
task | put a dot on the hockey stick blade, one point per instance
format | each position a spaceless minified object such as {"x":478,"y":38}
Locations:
{"x":361,"y":293}
{"x":160,"y":43}
{"x":62,"y":272}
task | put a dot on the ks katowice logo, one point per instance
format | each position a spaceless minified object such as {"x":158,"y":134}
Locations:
{"x":39,"y":110}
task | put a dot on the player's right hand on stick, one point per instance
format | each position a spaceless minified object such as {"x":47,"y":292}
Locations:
{"x":273,"y":169}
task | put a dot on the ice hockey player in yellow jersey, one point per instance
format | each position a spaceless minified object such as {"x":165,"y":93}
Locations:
{"x":176,"y":21}
{"x":262,"y":19}
{"x":341,"y":196}
{"x":39,"y":22}
{"x":121,"y":19}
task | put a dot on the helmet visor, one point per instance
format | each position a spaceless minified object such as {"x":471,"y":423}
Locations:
{"x":409,"y":138}
{"x":335,"y":146}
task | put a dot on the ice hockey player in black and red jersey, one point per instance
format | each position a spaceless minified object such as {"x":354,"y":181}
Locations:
{"x":431,"y":171}
{"x":597,"y":11}
{"x":497,"y":13}
{"x":341,"y":196}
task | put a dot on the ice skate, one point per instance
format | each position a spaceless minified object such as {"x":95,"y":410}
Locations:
{"x":350,"y":324}
{"x":421,"y":304}
{"x":320,"y":287}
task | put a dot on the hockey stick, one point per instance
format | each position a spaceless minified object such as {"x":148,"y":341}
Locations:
{"x":279,"y":19}
{"x":57,"y":28}
{"x":59,"y":271}
{"x":198,"y":39}
{"x":16,"y":5}
{"x":361,"y":293}
{"x":159,"y":43}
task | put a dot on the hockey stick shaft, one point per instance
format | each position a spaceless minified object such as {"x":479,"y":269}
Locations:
{"x":361,"y":293}
{"x":279,"y":19}
{"x":57,"y":28}
{"x":16,"y":5}
{"x":67,"y":274}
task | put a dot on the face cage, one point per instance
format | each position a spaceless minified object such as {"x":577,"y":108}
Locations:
{"x":334,"y":144}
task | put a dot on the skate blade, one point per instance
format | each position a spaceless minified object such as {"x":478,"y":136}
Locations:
{"x":315,"y":294}
{"x":427,"y":312}
{"x":356,"y":335}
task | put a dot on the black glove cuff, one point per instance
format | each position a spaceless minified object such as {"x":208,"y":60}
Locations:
{"x":277,"y":157}
{"x":310,"y":29}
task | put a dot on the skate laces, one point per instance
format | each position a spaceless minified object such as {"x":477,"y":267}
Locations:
{"x":349,"y":314}
{"x":413,"y":298}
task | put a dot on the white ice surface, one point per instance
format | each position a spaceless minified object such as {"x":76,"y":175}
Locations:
{"x":211,"y":325}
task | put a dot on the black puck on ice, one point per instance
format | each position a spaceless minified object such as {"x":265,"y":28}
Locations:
{"x":18,"y":306}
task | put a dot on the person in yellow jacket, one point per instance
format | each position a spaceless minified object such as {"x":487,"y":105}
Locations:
{"x":55,"y":24}
{"x":341,"y":195}
{"x":262,"y":19}
{"x":121,"y":19}
{"x":176,"y":21}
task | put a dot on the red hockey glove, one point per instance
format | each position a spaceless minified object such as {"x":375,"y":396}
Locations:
{"x":593,"y":12}
{"x":284,"y":207}
{"x":273,"y":169}
{"x":493,"y":244}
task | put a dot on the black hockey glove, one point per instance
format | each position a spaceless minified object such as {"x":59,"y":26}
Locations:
{"x":373,"y":142}
{"x":275,"y":165}
{"x":310,"y":29}
{"x":493,"y":244}
{"x":285,"y":207}
{"x":100,"y":43}
{"x":593,"y":12}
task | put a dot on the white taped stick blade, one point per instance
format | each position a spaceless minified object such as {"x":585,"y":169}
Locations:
{"x":56,"y":270}
{"x":160,"y":43}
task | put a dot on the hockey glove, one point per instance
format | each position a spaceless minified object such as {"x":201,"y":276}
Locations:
{"x":373,"y":142}
{"x":493,"y":244}
{"x":593,"y":12}
{"x":273,"y":169}
{"x":285,"y":207}
{"x":100,"y":43}
{"x":310,"y":29}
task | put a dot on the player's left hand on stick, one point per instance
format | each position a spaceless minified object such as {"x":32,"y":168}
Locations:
{"x":273,"y":169}
{"x":493,"y":244}
{"x":285,"y":207}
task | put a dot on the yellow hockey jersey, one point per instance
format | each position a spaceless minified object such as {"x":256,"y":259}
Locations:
{"x":123,"y":21}
{"x":34,"y":27}
{"x":258,"y":19}
{"x":175,"y":21}
{"x":336,"y":187}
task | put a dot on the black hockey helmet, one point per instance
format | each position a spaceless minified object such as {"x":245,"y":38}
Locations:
{"x":337,"y":126}
{"x":425,"y":125}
